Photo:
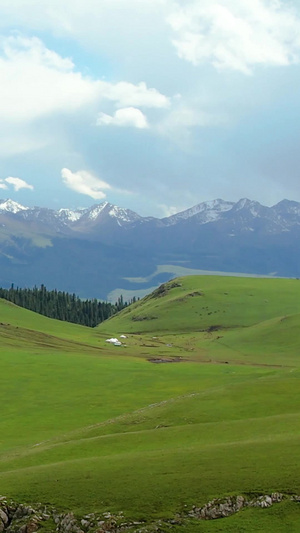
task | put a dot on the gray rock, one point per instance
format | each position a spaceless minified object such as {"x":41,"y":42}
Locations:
{"x":3,"y":516}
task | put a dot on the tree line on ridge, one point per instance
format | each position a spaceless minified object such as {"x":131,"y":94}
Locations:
{"x":62,"y":305}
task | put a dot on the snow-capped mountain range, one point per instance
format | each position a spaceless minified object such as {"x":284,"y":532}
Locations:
{"x":283,"y":215}
{"x":69,"y":217}
{"x":92,"y":251}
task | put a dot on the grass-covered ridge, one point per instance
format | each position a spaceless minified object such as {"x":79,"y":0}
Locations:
{"x":196,"y":303}
{"x":94,"y":427}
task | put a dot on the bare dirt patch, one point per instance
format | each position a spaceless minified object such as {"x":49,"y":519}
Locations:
{"x":159,"y":360}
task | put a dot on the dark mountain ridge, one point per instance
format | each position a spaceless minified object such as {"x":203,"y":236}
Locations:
{"x":93,"y":251}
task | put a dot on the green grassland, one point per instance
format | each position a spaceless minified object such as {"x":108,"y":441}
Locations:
{"x":202,"y":401}
{"x":196,"y":302}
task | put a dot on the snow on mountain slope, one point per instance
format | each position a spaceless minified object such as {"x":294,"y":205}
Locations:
{"x":278,"y":218}
{"x":123,"y":215}
{"x":94,"y":211}
{"x":11,"y":207}
{"x":69,"y":215}
{"x":244,"y":214}
{"x":204,"y":212}
{"x":106,"y":212}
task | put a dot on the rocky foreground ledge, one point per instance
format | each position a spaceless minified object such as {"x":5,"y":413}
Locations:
{"x":20,"y":518}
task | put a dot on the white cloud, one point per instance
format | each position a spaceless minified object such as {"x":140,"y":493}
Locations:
{"x":178,"y":125}
{"x":36,"y":81}
{"x":18,"y":183}
{"x":128,"y":94}
{"x":85,"y":182}
{"x":169,"y":210}
{"x":235,"y":34}
{"x":2,"y":185}
{"x":127,"y":116}
{"x":129,"y":42}
{"x":110,"y":25}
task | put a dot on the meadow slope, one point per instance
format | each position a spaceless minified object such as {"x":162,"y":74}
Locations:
{"x":201,"y":401}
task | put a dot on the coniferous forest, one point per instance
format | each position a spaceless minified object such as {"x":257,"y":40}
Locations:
{"x":62,"y":305}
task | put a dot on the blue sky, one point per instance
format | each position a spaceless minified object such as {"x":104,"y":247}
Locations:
{"x":154,"y":105}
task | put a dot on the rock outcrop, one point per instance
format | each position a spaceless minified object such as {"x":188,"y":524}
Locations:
{"x":223,"y":507}
{"x":20,"y":518}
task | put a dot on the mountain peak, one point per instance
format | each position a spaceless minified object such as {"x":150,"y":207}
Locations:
{"x":11,"y":206}
{"x":112,"y":211}
{"x":244,"y":202}
{"x":251,"y":207}
{"x":124,"y":215}
{"x":94,"y":211}
{"x":204,"y":212}
{"x":69,"y":215}
{"x":287,"y":206}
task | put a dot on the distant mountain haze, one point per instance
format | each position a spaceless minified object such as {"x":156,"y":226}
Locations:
{"x":96,"y":250}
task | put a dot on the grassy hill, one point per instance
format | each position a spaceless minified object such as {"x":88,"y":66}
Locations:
{"x":196,"y":303}
{"x":201,"y":402}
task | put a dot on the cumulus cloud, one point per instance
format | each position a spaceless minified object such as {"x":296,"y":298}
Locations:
{"x":18,"y":183}
{"x":127,"y":116}
{"x":36,"y":81}
{"x":128,"y":94}
{"x":85,"y":182}
{"x":236,"y":35}
{"x":38,"y":84}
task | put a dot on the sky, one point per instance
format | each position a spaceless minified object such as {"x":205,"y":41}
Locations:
{"x":153,"y":105}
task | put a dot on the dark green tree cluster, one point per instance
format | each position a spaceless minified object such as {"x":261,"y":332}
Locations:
{"x":62,"y":305}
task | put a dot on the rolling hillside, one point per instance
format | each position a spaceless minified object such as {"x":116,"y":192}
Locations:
{"x":92,"y":427}
{"x":196,"y":303}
